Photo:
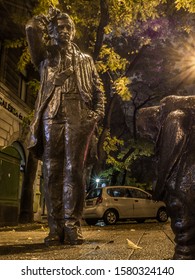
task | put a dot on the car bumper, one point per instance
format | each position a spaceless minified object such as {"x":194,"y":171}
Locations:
{"x":93,"y":213}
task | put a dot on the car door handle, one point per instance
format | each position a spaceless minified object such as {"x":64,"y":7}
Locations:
{"x":136,"y":200}
{"x":115,"y":199}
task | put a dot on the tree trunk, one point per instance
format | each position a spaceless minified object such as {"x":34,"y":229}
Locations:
{"x":124,"y":177}
{"x":104,"y":20}
{"x":106,"y":126}
{"x":114,"y":177}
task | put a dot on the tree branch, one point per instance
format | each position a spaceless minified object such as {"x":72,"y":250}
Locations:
{"x":102,"y":24}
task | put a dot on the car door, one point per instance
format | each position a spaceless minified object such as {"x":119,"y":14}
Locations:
{"x":121,"y":201}
{"x":143,"y":205}
{"x":92,"y":197}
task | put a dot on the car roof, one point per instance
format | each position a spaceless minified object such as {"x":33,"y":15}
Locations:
{"x":115,"y":187}
{"x":123,"y":187}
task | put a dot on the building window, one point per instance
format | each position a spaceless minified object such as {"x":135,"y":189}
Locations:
{"x":11,"y":76}
{"x":14,"y":80}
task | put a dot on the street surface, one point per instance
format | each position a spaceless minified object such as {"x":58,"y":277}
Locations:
{"x":25,"y":242}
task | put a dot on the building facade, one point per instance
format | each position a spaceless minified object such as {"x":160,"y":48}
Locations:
{"x":16,"y":104}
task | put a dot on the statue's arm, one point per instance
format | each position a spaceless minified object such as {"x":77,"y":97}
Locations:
{"x":36,"y":33}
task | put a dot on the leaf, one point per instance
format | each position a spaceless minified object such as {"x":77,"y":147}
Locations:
{"x":24,"y":59}
{"x":109,"y":60}
{"x":132,"y":245}
{"x":18,"y":43}
{"x":122,"y":88}
{"x":188,"y":5}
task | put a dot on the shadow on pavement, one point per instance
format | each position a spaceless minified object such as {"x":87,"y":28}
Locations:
{"x":27,"y":248}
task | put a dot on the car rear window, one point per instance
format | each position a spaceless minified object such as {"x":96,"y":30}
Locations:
{"x":94,"y":193}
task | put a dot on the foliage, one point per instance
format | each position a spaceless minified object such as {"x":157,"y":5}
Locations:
{"x":122,"y":88}
{"x":18,"y":43}
{"x":34,"y":85}
{"x":121,"y":155}
{"x":25,"y":56}
{"x":188,"y":5}
{"x":43,"y":6}
{"x":111,"y":144}
{"x":121,"y":162}
{"x":110,"y":61}
{"x":24,"y":59}
{"x":124,"y":12}
{"x":27,"y":120}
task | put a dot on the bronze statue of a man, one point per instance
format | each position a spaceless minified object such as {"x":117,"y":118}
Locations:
{"x":68,"y":107}
{"x":171,"y":126}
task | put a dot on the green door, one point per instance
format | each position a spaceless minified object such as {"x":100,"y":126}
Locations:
{"x":9,"y":186}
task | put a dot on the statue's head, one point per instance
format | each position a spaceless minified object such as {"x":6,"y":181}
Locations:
{"x":61,"y":27}
{"x":66,"y":27}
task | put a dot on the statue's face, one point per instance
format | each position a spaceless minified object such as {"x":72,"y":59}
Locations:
{"x":65,"y":32}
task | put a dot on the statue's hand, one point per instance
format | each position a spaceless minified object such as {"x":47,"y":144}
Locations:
{"x":52,"y":13}
{"x":41,"y":22}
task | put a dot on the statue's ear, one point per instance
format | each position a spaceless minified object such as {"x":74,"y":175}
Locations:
{"x":148,"y":122}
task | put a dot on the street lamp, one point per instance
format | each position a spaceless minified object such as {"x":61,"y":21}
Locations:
{"x":97,"y":182}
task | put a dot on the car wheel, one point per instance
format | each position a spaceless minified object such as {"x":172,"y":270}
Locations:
{"x":110,"y":217}
{"x":162,"y":215}
{"x":91,"y":222}
{"x":140,"y":221}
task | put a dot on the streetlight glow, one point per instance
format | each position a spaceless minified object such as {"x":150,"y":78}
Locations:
{"x":183,"y":56}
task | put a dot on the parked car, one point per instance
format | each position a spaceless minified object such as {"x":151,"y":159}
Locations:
{"x":113,"y":203}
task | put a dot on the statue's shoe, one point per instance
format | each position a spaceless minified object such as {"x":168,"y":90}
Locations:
{"x":53,"y":240}
{"x":73,"y":236}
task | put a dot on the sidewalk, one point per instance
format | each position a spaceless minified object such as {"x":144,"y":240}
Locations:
{"x":25,"y":242}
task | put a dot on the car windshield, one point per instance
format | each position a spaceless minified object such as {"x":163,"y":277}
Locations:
{"x":94,"y":193}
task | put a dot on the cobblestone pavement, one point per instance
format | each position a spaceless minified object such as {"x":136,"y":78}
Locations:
{"x":25,"y":242}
